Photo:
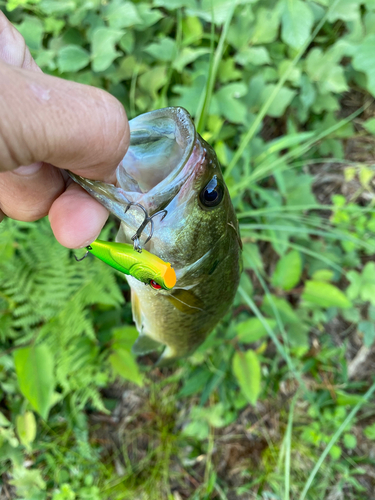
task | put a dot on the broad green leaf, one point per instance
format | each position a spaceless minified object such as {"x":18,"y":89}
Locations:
{"x":103,"y":45}
{"x":228,"y":72}
{"x":124,"y":337}
{"x":369,"y":125}
{"x":246,"y":369}
{"x":31,"y":29}
{"x":174,"y":4}
{"x":364,"y":60}
{"x":346,"y":10}
{"x":120,"y":14}
{"x":362,"y":285}
{"x":324,"y":68}
{"x":368,"y":330}
{"x":72,"y":58}
{"x":323,"y":275}
{"x":266,"y":26}
{"x":253,"y":329}
{"x":13,"y":4}
{"x":369,"y":431}
{"x":227,"y":100}
{"x":34,"y":368}
{"x":55,"y":7}
{"x":148,"y":16}
{"x":164,"y":50}
{"x":216,"y":11}
{"x":258,"y":56}
{"x":187,"y":56}
{"x":26,"y":428}
{"x":197,"y":429}
{"x":4,"y":422}
{"x":152,"y":80}
{"x":288,"y":271}
{"x":189,"y":96}
{"x":282,"y":306}
{"x":281,"y":101}
{"x":124,"y":364}
{"x":296,"y":23}
{"x":350,"y":441}
{"x":325,"y":295}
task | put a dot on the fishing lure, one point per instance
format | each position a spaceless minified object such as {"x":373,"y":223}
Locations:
{"x":145,"y":267}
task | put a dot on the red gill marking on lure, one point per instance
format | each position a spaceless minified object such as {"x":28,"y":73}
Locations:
{"x":155,"y":285}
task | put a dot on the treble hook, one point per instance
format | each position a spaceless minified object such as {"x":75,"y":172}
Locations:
{"x":146,"y":220}
{"x":86,"y":254}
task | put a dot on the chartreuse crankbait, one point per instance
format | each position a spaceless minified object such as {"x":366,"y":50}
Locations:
{"x":145,"y":266}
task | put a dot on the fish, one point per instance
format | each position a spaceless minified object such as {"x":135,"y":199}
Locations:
{"x":170,"y":168}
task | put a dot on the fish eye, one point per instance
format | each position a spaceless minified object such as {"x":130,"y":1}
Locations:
{"x":155,"y":285}
{"x":212,"y":194}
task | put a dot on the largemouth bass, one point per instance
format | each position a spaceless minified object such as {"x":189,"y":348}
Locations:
{"x":170,"y":167}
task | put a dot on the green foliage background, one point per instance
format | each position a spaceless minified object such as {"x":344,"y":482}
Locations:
{"x":283,"y":91}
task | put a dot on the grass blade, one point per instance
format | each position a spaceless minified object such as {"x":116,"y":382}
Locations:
{"x":334,"y":439}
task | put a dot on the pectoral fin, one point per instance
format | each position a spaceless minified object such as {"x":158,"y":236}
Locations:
{"x":145,"y":344}
{"x":185,"y":301}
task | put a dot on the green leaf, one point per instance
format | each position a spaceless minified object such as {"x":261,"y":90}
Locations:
{"x":72,"y":58}
{"x":364,"y":60}
{"x":258,"y":56}
{"x":26,"y":428}
{"x":288,"y":271}
{"x":369,"y":431}
{"x":103,"y":47}
{"x":31,"y":29}
{"x":346,"y":10}
{"x":53,"y":7}
{"x":350,"y":441}
{"x":124,"y":364}
{"x":323,"y":275}
{"x":189,"y":95}
{"x":325,"y":295}
{"x":368,"y":330}
{"x":253,"y":329}
{"x":152,"y":80}
{"x":324,"y":69}
{"x":197,"y":429}
{"x":296,"y":23}
{"x":120,"y":14}
{"x":282,"y":306}
{"x":124,"y":337}
{"x":174,"y":4}
{"x":34,"y":368}
{"x":369,"y":125}
{"x":362,"y":285}
{"x":4,"y":422}
{"x":266,"y":26}
{"x":246,"y":369}
{"x":227,"y":101}
{"x":164,"y":50}
{"x":187,"y":56}
{"x":282,"y":99}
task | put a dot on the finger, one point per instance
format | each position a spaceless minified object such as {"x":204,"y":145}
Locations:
{"x":60,"y":122}
{"x":76,"y":218}
{"x":13,"y":49}
{"x":28,"y":192}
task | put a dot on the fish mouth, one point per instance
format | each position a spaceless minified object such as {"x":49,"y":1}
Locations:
{"x":160,"y":157}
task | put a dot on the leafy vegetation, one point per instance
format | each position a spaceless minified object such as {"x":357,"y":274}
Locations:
{"x":278,"y":401}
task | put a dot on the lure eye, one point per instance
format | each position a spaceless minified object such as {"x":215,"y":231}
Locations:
{"x":212,"y":194}
{"x":155,"y":285}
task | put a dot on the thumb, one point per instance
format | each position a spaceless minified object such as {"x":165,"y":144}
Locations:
{"x":63,"y":123}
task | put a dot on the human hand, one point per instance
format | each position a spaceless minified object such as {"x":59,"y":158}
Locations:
{"x":47,"y":122}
